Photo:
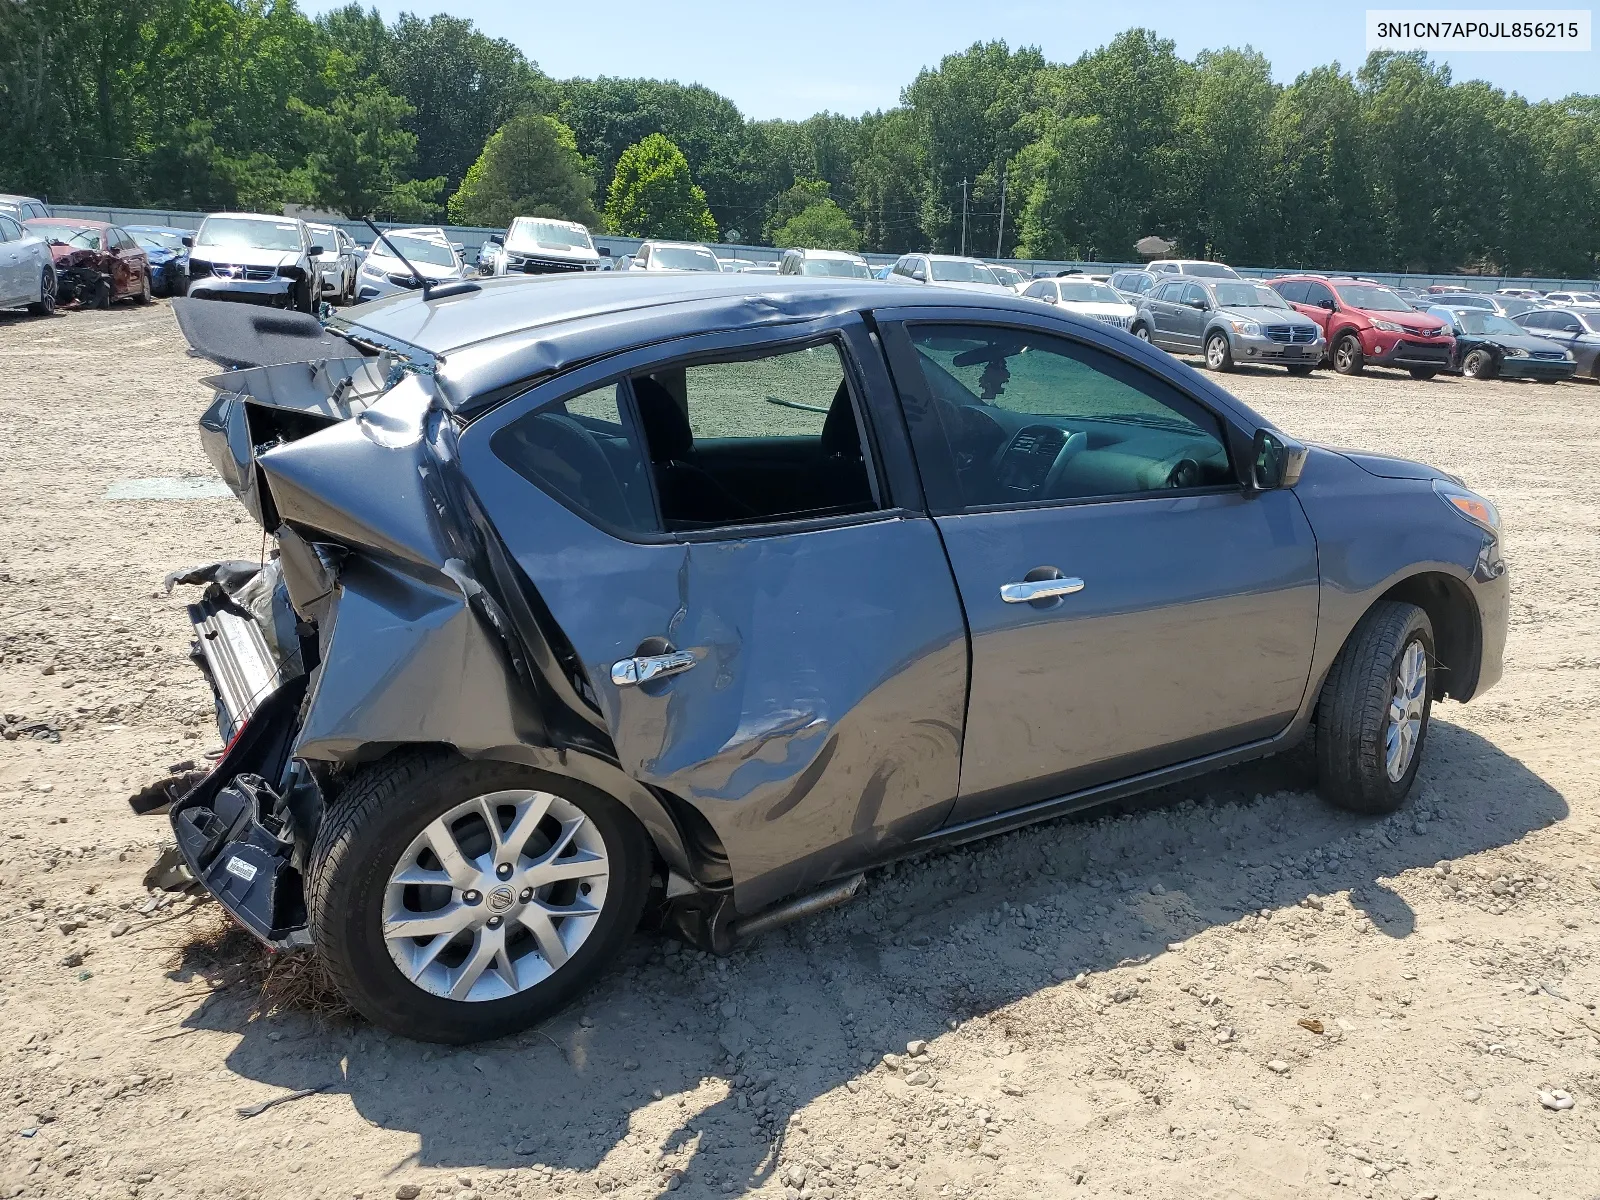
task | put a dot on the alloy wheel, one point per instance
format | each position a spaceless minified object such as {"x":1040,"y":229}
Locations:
{"x":47,"y":291}
{"x":495,"y":895}
{"x":1404,"y":728}
{"x":1343,"y":355}
{"x":1216,"y":353}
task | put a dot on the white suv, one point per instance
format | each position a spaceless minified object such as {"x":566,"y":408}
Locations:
{"x":946,"y":270}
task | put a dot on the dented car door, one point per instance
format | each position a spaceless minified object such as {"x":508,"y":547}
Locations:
{"x":781,"y":651}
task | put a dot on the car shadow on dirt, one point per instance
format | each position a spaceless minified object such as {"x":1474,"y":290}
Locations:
{"x":706,"y":1061}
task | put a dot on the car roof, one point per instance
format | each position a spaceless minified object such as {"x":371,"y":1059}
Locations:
{"x":71,"y":222}
{"x":157,"y":229}
{"x":967,"y":258}
{"x":517,"y":328}
{"x":14,"y":196}
{"x":660,"y":242}
{"x":251,"y":216}
{"x":845,"y":254}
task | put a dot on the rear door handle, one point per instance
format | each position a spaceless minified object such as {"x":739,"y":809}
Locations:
{"x":1029,"y":590}
{"x":628,"y":672}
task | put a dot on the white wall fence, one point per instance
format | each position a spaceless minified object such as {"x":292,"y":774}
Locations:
{"x":472,"y":236}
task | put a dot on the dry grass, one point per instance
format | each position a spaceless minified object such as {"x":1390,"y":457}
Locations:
{"x":215,"y":948}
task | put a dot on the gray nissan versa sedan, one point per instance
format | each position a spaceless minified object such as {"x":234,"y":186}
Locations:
{"x":691,"y":597}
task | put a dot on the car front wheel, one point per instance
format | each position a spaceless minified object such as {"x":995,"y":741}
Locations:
{"x":1347,"y":356}
{"x":454,"y":901}
{"x":1372,"y":716}
{"x":1479,"y":364}
{"x":1219,"y":356}
{"x":1142,"y":332}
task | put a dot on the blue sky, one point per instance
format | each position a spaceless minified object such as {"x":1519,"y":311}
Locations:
{"x":793,"y":59}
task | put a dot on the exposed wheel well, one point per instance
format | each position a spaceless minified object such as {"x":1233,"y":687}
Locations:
{"x":1457,"y":634}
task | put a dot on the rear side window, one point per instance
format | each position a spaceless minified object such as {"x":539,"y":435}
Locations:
{"x":10,"y":231}
{"x":585,"y":453}
{"x":771,"y":438}
{"x":1293,"y":290}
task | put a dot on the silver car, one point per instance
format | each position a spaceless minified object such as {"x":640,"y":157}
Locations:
{"x":1229,"y":321}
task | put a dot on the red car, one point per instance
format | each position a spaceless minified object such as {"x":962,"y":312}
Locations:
{"x":96,"y":263}
{"x":1366,"y":324}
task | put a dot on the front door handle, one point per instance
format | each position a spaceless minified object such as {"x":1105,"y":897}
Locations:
{"x":628,"y":672}
{"x":1029,"y":590}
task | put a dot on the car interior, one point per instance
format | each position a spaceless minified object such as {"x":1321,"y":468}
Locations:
{"x":771,"y":438}
{"x":1035,"y":419}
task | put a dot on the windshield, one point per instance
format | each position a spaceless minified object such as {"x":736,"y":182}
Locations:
{"x":1086,"y":292}
{"x":1515,"y":306}
{"x":248,"y":233}
{"x":326,"y":237}
{"x":1246,"y":295}
{"x":418,"y":250}
{"x":684,"y":258}
{"x":947,"y":271}
{"x":159,"y":241}
{"x":1370,"y":295}
{"x":1009,"y":276}
{"x":529,"y":232}
{"x":847,"y":268}
{"x":1474,"y":321}
{"x":1210,"y":271}
{"x":67,"y":235}
{"x":1461,"y":301}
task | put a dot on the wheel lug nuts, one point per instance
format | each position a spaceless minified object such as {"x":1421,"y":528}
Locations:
{"x":527,"y":894}
{"x":470,"y":897}
{"x":494,"y":922}
{"x":503,"y":870}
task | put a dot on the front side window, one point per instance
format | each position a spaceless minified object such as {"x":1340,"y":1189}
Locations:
{"x":1319,"y":294}
{"x":1031,"y":417}
{"x":770,"y":438}
{"x":10,"y":231}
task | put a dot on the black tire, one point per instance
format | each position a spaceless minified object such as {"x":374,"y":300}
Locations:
{"x":1142,"y":332}
{"x":102,"y":293}
{"x":1300,"y":369}
{"x":1347,"y":356}
{"x":362,"y":836}
{"x":45,"y":305}
{"x":1423,"y":374}
{"x":1353,"y":710}
{"x":1219,"y":355}
{"x":1480,"y":364}
{"x":142,"y":296}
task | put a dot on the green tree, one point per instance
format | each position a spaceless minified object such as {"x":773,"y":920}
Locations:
{"x":790,"y":204}
{"x":361,"y":156}
{"x":823,"y":226}
{"x":530,"y":167}
{"x":653,"y":195}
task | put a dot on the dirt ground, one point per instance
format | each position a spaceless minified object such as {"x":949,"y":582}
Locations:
{"x":1226,"y":991}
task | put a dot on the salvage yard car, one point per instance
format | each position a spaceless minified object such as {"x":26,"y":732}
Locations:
{"x":1576,"y":328}
{"x":1086,"y":298}
{"x":256,"y":258}
{"x":697,"y":595}
{"x":423,"y":252}
{"x":167,"y":248}
{"x":543,"y":246}
{"x":1488,"y":346}
{"x":1228,"y":321}
{"x":27,"y":269}
{"x":1366,"y":324}
{"x":96,"y":263}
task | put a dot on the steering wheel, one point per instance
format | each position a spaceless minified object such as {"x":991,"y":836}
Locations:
{"x":1073,"y":446}
{"x":1185,"y":473}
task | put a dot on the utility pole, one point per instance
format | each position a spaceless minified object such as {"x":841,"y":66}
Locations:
{"x":1000,"y":234}
{"x":963,"y":217}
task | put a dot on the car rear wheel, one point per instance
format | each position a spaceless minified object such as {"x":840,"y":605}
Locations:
{"x":1479,"y":364}
{"x":45,"y":306}
{"x":1372,"y":716}
{"x":1347,"y":356}
{"x":142,"y":296}
{"x":454,"y":901}
{"x":1219,"y":356}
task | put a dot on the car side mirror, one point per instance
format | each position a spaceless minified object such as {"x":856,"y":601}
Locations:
{"x":188,"y":242}
{"x":920,"y":275}
{"x":316,"y":250}
{"x":1198,"y":305}
{"x":1275,"y":461}
{"x":497,"y":239}
{"x":605,"y":251}
{"x":1327,"y":304}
